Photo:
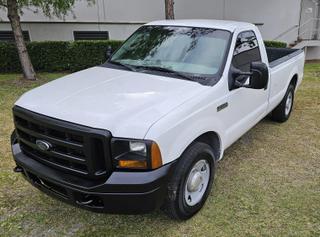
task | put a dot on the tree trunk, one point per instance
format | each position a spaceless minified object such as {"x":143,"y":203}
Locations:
{"x":169,"y":5}
{"x":25,"y":61}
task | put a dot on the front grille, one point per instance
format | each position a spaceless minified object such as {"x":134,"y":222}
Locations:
{"x":73,"y":148}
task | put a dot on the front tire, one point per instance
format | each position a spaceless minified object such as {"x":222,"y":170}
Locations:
{"x":191,"y":182}
{"x":283,"y":111}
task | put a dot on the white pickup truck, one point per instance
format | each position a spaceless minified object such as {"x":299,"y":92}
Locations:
{"x":147,"y":128}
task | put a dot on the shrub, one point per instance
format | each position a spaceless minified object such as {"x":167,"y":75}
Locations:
{"x":84,"y":54}
{"x":57,"y":55}
{"x":49,"y":55}
{"x":9,"y":60}
{"x":275,"y":44}
{"x":66,"y":55}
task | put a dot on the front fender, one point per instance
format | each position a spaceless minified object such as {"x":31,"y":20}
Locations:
{"x":174,"y":135}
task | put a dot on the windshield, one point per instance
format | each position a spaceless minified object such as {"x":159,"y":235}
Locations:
{"x":193,"y":51}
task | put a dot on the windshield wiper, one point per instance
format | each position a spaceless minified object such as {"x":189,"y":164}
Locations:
{"x":127,"y":66}
{"x":163,"y":69}
{"x":153,"y":68}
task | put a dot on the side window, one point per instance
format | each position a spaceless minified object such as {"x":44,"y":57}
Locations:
{"x":246,"y":51}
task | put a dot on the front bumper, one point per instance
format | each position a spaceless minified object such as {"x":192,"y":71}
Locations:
{"x":122,"y":192}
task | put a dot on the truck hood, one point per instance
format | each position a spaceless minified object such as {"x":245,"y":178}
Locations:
{"x":125,"y":103}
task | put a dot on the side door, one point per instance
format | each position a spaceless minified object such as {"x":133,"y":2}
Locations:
{"x":246,"y":106}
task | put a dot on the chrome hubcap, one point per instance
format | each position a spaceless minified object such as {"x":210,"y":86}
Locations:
{"x":197,"y":182}
{"x":288,"y":104}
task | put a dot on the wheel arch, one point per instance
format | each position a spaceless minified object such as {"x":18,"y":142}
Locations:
{"x":213,"y":140}
{"x":294,"y":80}
{"x":171,"y":150}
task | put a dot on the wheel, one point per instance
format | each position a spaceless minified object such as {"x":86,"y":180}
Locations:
{"x":191,"y":182}
{"x":282,"y":112}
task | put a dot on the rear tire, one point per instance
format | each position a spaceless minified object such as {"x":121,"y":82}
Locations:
{"x":283,"y":111}
{"x":191,"y":182}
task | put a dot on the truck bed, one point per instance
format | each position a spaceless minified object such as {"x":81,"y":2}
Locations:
{"x":277,"y":56}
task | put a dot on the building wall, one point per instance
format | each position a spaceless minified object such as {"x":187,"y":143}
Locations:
{"x":313,"y":53}
{"x":64,"y":32}
{"x":105,"y":11}
{"x":276,"y":16}
{"x":308,"y":15}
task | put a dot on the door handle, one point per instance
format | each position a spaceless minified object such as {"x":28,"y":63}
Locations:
{"x":222,"y":106}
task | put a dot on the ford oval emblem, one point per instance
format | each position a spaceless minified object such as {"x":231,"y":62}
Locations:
{"x":43,"y":145}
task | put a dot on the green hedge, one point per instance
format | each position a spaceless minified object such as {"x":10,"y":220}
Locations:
{"x":66,"y":56}
{"x":84,"y":54}
{"x":49,"y":56}
{"x":275,"y":44}
{"x":9,"y":61}
{"x":57,"y":55}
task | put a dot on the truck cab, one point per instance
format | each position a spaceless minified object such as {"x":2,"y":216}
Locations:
{"x":147,"y":128}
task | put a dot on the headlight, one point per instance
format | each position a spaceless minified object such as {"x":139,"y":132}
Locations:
{"x":135,"y":154}
{"x":138,"y":147}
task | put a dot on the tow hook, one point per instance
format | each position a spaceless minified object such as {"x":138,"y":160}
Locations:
{"x":84,"y":203}
{"x":84,"y":200}
{"x":18,"y":169}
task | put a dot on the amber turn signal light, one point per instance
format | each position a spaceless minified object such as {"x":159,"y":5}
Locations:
{"x":133,"y":164}
{"x":156,"y":159}
{"x":134,"y":160}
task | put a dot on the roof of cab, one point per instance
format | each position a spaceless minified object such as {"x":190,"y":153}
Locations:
{"x":216,"y":24}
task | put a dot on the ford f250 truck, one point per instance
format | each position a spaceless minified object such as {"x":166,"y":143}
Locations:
{"x":147,"y":128}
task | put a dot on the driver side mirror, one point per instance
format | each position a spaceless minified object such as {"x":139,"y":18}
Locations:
{"x":258,"y":77}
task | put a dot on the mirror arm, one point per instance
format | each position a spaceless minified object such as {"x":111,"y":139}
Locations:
{"x":240,"y":73}
{"x":238,"y":84}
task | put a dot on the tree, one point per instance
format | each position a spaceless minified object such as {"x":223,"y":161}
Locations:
{"x":169,"y":6}
{"x":58,"y":8}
